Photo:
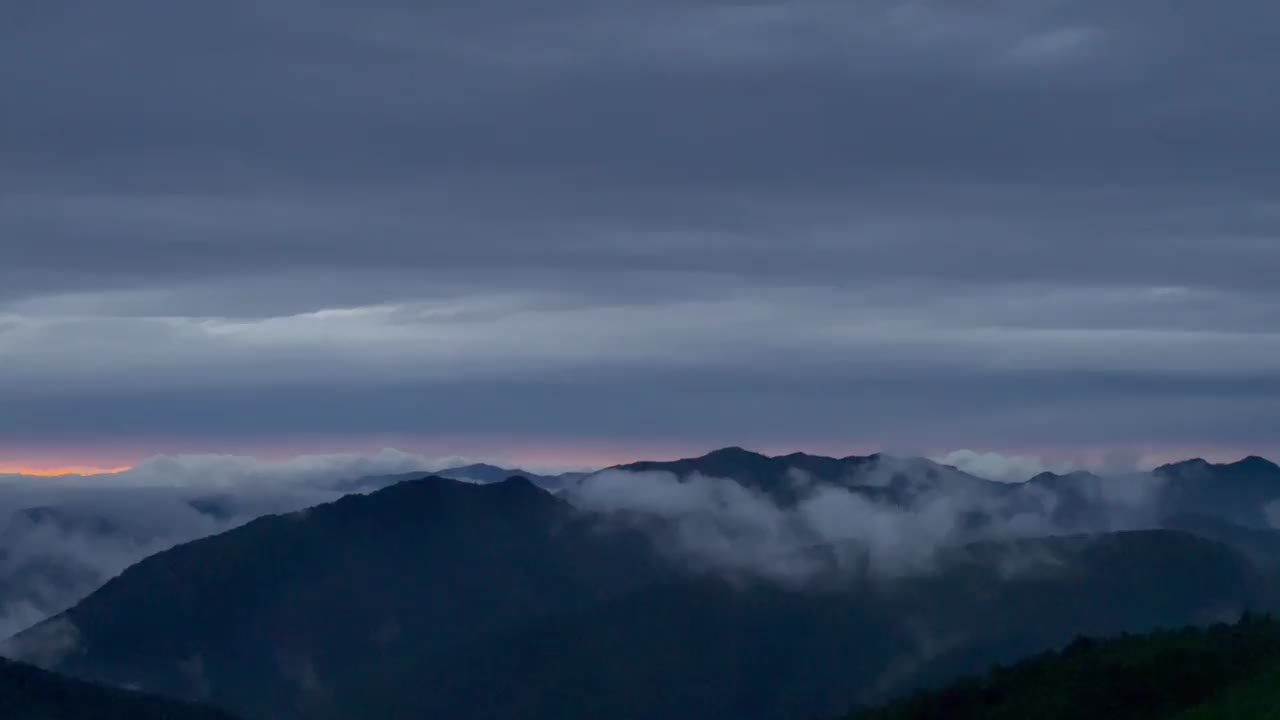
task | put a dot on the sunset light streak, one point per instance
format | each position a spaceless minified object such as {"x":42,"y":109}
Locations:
{"x":55,"y":471}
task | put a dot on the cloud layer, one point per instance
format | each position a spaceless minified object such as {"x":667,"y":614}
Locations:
{"x":839,"y":531}
{"x":800,"y":222}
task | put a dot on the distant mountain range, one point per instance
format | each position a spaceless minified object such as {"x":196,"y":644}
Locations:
{"x":1242,"y":492}
{"x":475,"y":473}
{"x":434,"y":597}
{"x":786,"y":478}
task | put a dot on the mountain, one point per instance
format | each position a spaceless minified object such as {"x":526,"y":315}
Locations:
{"x":1217,"y":673}
{"x":436,"y":598}
{"x":484,"y":473}
{"x":28,"y":693}
{"x":708,"y":647}
{"x":371,"y":483}
{"x":1261,"y":546}
{"x":291,"y":614}
{"x":1241,"y":492}
{"x":1238,"y":492}
{"x":1084,"y":502}
{"x":61,"y":541}
{"x":785,"y":478}
{"x":476,"y":473}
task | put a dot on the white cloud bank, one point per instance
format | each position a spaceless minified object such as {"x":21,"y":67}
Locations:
{"x":1001,"y":468}
{"x":718,"y":524}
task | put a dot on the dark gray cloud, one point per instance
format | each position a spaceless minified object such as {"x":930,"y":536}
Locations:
{"x":1038,"y":224}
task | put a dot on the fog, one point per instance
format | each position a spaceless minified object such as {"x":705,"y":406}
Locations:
{"x":880,"y":518}
{"x":890,"y":522}
{"x":63,"y":537}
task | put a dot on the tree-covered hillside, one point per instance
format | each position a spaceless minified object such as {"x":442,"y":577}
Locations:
{"x":1223,"y":671}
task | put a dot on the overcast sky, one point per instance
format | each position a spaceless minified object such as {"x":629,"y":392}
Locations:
{"x":579,"y":231}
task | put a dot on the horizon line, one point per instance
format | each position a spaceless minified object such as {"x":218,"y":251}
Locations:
{"x":1146,"y":462}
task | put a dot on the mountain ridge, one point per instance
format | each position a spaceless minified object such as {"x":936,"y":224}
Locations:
{"x":381,"y":560}
{"x":348,"y":605}
{"x":420,"y":597}
{"x":785,"y":477}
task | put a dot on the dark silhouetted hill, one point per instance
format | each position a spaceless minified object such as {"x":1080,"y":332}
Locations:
{"x":289,"y":613}
{"x":477,"y":473}
{"x":437,"y":598}
{"x":1223,"y":672}
{"x":1240,"y":492}
{"x":787,"y":477}
{"x":422,"y":599}
{"x":28,"y":693}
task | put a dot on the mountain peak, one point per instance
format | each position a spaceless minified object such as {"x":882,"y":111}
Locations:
{"x":475,"y":466}
{"x":1252,"y":463}
{"x":1256,"y":463}
{"x":1185,"y":465}
{"x":518,"y":484}
{"x":1051,"y":477}
{"x":733,"y":452}
{"x":412,"y":497}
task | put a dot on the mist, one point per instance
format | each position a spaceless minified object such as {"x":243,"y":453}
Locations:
{"x":892,"y":521}
{"x":63,"y":537}
{"x":883,"y":519}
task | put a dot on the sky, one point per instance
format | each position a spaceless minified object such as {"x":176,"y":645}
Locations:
{"x":582,"y":232}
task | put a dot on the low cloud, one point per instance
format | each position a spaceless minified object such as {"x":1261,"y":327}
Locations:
{"x":215,"y":471}
{"x":1018,"y":468}
{"x":876,"y":527}
{"x":45,"y":646}
{"x":63,"y":537}
{"x":1001,"y":468}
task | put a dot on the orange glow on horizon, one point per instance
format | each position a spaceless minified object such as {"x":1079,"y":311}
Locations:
{"x":551,"y":456}
{"x":56,"y":471}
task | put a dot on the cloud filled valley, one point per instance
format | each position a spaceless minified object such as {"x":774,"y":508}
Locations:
{"x":882,"y":516}
{"x":62,"y":537}
{"x":794,"y":520}
{"x":327,"y":585}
